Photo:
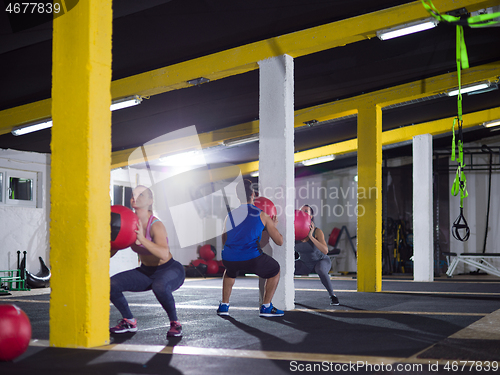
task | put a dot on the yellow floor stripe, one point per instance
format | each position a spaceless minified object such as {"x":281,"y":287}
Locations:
{"x":353,"y":362}
{"x":238,"y":353}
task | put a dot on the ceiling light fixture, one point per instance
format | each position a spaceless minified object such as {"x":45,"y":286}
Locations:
{"x":198,"y":81}
{"x":473,"y":88}
{"x":254,"y":174}
{"x":47,"y":123}
{"x":125,"y":102}
{"x":311,"y":123}
{"x":184,"y":159}
{"x":25,"y":129}
{"x":491,"y":124}
{"x":407,"y":28}
{"x":321,"y":159}
{"x":241,"y":141}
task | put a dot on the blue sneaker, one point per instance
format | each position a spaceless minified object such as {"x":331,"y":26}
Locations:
{"x":223,"y":309}
{"x":270,"y":311}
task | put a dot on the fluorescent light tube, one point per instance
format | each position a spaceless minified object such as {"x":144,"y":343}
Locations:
{"x":118,"y":104}
{"x":490,"y":124}
{"x":254,"y":174}
{"x":184,"y":159}
{"x":125,"y":102}
{"x":407,"y":28}
{"x":321,"y":159}
{"x":469,"y":88}
{"x":32,"y":128}
{"x":241,"y":141}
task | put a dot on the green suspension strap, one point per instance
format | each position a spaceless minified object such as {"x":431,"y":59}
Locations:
{"x":460,"y":228}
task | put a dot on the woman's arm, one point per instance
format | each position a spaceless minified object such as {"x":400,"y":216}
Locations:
{"x":318,"y":239}
{"x":159,"y":245}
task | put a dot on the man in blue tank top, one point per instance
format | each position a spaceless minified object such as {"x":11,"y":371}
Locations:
{"x":242,"y":251}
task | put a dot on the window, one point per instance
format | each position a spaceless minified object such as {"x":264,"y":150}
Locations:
{"x":122,"y":195}
{"x":20,"y":188}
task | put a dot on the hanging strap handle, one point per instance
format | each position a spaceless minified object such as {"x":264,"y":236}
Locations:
{"x":460,"y":183}
{"x":460,"y":229}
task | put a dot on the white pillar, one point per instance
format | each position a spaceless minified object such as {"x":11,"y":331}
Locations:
{"x":276,"y":164}
{"x":423,"y":244}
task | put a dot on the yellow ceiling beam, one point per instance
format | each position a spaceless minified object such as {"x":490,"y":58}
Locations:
{"x":403,"y":134}
{"x":439,"y":126}
{"x":24,"y":114}
{"x":244,"y":58}
{"x":399,"y":94}
{"x":328,"y":111}
{"x":406,"y":133}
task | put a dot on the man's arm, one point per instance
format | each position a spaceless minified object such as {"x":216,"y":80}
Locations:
{"x":270,"y":224}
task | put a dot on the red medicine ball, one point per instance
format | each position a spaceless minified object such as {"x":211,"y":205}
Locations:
{"x":265,"y":205}
{"x":212,"y":267}
{"x":123,"y":227}
{"x":15,"y":332}
{"x":302,"y":225}
{"x":207,"y":252}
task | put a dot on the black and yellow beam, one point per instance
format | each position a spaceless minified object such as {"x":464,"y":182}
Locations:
{"x":245,"y":58}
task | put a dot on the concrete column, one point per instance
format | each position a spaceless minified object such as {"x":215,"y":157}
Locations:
{"x":423,"y":214}
{"x":81,"y":163}
{"x":276,"y":164}
{"x":369,"y":210}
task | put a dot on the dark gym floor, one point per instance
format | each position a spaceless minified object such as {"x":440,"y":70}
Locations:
{"x":410,"y":327}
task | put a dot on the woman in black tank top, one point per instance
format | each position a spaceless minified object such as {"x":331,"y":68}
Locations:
{"x":313,"y":256}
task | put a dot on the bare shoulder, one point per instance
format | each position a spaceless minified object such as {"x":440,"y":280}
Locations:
{"x":319,"y":232}
{"x":158,"y":226}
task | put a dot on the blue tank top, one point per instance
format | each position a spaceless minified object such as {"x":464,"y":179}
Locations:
{"x":244,"y":231}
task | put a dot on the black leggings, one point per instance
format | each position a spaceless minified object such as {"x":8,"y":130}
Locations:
{"x":163,"y":280}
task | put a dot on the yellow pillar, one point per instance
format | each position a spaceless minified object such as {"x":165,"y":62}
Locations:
{"x":369,"y":234}
{"x":81,"y":160}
